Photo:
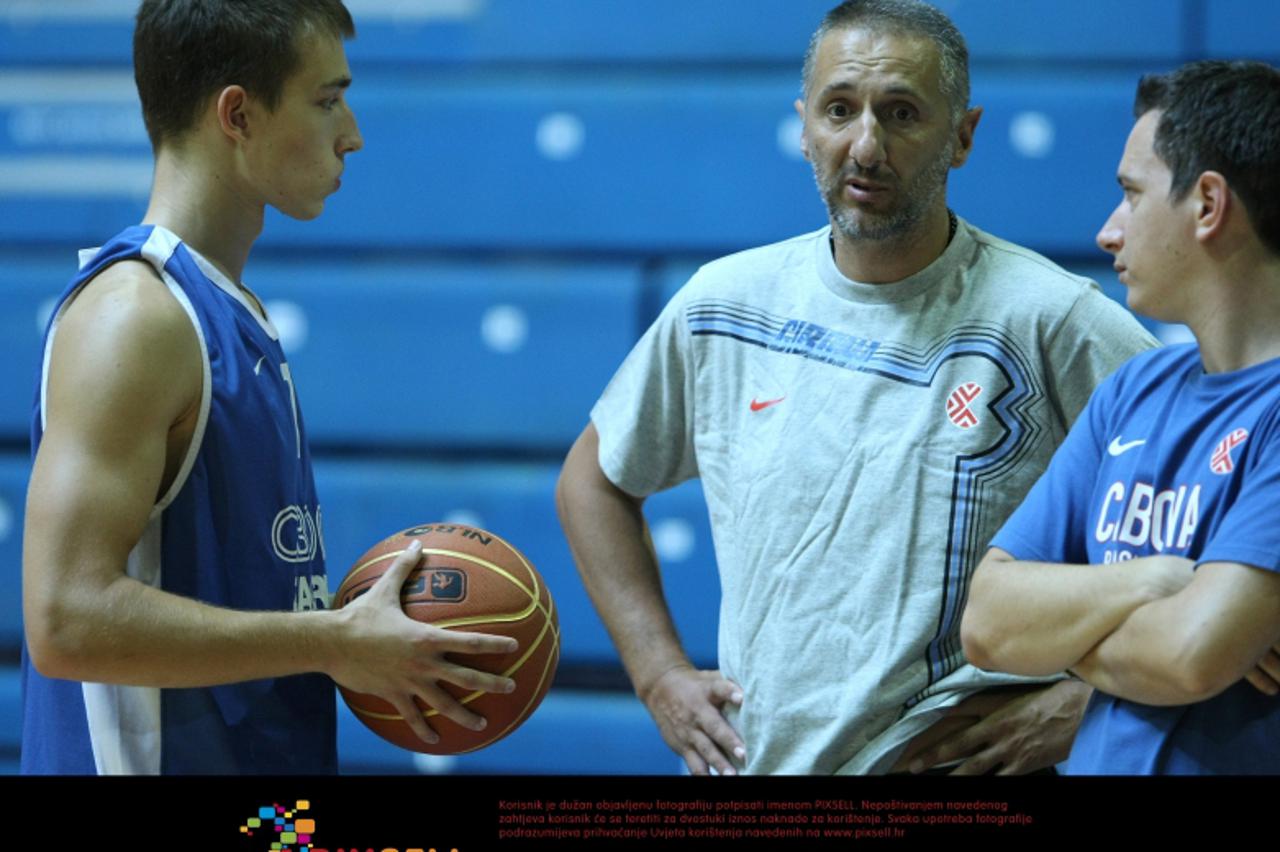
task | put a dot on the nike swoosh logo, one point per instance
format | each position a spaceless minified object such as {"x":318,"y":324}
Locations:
{"x":760,"y":406}
{"x":258,"y":366}
{"x":1116,"y":448}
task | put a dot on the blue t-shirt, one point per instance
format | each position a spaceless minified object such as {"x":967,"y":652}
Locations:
{"x":239,"y":528}
{"x":1167,"y":459}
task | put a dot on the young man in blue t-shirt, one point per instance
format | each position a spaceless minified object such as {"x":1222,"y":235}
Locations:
{"x":1147,"y":559}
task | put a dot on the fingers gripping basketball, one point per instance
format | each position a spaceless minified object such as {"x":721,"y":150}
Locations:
{"x":468,"y":581}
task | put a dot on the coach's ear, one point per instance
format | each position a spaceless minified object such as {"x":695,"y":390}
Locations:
{"x":233,"y":112}
{"x":804,"y":134}
{"x":965,"y":129}
{"x":1214,"y":203}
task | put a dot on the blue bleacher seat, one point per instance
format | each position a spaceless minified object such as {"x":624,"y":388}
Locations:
{"x":660,"y":31}
{"x":365,"y":501}
{"x":51,"y":32}
{"x":28,"y":284}
{"x":1242,"y":29}
{"x":10,"y":719}
{"x":1043,"y":167}
{"x":647,"y":164}
{"x":14,"y":471}
{"x":1086,"y":30}
{"x":438,"y":354}
{"x":507,"y":355}
{"x":575,"y":162}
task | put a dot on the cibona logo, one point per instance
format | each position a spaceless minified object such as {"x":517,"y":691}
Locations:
{"x":287,"y":830}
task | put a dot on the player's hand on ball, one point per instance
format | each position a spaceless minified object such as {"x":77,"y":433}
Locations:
{"x":686,"y":703}
{"x":385,"y":653}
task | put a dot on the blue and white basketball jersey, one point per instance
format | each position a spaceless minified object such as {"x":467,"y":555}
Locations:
{"x":1167,"y":459}
{"x":239,"y":528}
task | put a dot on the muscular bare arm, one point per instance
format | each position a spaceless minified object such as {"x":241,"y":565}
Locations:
{"x":1190,"y":646}
{"x":125,"y":375}
{"x":607,"y":534}
{"x":1034,"y":618}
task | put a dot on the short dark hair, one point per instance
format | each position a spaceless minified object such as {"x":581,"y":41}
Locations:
{"x":1223,"y":117}
{"x":908,"y":17}
{"x":184,"y":51}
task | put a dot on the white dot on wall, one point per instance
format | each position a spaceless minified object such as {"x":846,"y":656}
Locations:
{"x":6,"y":520}
{"x":466,"y":517}
{"x":504,"y":328}
{"x":560,"y":136}
{"x":290,"y":321}
{"x":1031,"y":134}
{"x":790,"y":129}
{"x":44,"y":312}
{"x":673,"y":539}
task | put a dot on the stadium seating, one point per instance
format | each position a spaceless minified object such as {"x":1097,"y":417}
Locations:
{"x":14,"y":471}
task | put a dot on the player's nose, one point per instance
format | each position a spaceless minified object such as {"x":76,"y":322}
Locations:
{"x":350,"y":140}
{"x":1111,"y":238}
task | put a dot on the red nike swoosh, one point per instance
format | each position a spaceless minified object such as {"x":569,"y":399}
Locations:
{"x":760,"y":406}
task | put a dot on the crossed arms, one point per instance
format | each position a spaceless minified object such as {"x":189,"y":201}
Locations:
{"x":1150,"y":630}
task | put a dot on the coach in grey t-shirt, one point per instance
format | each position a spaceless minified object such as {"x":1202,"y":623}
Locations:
{"x":864,"y":405}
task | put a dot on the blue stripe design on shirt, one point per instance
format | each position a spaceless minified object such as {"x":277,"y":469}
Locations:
{"x":972,"y":474}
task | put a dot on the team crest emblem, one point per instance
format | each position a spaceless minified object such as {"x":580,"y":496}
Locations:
{"x":958,"y":405}
{"x":1221,"y":462}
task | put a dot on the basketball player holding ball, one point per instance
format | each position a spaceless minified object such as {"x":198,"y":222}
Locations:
{"x":174,"y":589}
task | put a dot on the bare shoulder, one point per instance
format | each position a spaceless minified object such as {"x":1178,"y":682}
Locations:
{"x":125,"y":345}
{"x":129,"y":294}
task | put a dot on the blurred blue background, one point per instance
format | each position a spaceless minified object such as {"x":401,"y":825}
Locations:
{"x":539,"y":176}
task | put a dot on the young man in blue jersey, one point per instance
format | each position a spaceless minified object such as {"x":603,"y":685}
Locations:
{"x":1147,"y":559}
{"x":174,"y":588}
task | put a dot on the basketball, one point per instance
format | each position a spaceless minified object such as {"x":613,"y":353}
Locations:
{"x":474,"y":581}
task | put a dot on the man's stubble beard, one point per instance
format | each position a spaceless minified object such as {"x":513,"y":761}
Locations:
{"x":917,"y":199}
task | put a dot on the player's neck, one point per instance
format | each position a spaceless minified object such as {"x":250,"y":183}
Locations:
{"x":1239,"y":326}
{"x":886,"y":261}
{"x":198,"y":201}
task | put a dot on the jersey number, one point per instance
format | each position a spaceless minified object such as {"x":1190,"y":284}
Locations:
{"x":293,"y":402}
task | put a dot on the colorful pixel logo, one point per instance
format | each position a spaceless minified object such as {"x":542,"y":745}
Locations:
{"x":286,"y":831}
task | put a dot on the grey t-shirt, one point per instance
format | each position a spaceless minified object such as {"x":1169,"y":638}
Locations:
{"x":858,"y":445}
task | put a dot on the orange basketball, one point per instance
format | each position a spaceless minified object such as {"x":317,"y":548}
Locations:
{"x":468,"y":580}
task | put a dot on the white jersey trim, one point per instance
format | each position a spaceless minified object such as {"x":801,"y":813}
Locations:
{"x":158,"y":249}
{"x":235,"y":291}
{"x":124,"y":721}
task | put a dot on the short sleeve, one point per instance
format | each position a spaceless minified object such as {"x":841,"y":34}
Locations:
{"x":1095,"y":337}
{"x":645,"y":416}
{"x":1051,"y":523}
